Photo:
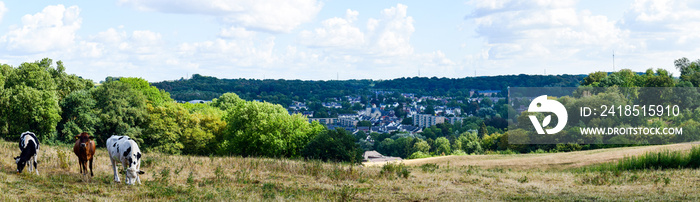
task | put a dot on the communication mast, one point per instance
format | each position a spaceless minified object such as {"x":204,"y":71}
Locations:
{"x":613,"y":60}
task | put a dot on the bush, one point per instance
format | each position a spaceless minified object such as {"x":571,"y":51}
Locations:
{"x":429,"y":167}
{"x":473,"y":147}
{"x":458,"y":152}
{"x":264,"y":129}
{"x":659,"y":160}
{"x":334,"y":145}
{"x":401,"y":170}
{"x":442,"y":145}
{"x":418,"y":155}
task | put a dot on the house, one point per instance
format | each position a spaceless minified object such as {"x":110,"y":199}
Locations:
{"x":486,"y":93}
{"x":298,"y":106}
{"x":199,"y":101}
{"x":410,"y":129}
{"x":309,"y":114}
{"x":427,"y":120}
{"x":324,"y":121}
{"x":334,"y":105}
{"x":348,"y":120}
{"x":374,"y":156}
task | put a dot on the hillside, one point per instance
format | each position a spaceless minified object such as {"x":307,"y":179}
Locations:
{"x":195,"y":178}
{"x":285,"y":91}
{"x":547,"y":160}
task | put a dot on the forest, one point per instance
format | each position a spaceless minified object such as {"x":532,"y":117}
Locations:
{"x":285,"y":91}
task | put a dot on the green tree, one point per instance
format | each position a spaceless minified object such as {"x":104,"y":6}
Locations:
{"x":403,"y":147}
{"x":594,"y":79}
{"x":264,"y":129}
{"x":364,"y":124}
{"x":482,"y":130}
{"x":333,"y":145}
{"x":421,"y":146}
{"x":204,"y":128}
{"x":121,"y":110}
{"x":470,"y":143}
{"x":78,"y":115}
{"x":661,"y":79}
{"x":407,"y":121}
{"x":154,"y":95}
{"x":165,"y":127}
{"x":429,"y":110}
{"x":399,"y":112}
{"x":30,"y":109}
{"x":442,"y":145}
{"x":65,"y":83}
{"x":227,"y":101}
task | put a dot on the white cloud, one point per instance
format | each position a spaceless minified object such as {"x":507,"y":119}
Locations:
{"x":382,"y":48}
{"x":230,"y":53}
{"x":3,"y":10}
{"x":270,"y":16}
{"x":51,"y":29}
{"x":236,"y":32}
{"x":557,"y":35}
{"x":518,"y":29}
{"x":664,"y":25}
{"x":390,"y":35}
{"x":336,"y":32}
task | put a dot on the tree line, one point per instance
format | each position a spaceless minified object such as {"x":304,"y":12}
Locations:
{"x":285,"y":91}
{"x":43,"y":98}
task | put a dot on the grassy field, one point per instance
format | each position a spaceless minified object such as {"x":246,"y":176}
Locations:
{"x":492,"y":177}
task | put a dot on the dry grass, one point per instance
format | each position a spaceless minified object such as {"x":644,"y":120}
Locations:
{"x":547,"y":160}
{"x":189,"y":178}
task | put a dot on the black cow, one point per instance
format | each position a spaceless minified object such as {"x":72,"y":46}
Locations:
{"x":30,"y":147}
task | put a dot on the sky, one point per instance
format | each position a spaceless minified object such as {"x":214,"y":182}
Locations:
{"x":329,"y":39}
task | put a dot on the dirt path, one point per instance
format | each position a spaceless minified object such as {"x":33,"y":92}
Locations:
{"x":545,"y":161}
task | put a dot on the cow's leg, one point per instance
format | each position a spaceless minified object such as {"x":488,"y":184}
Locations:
{"x":29,"y":167}
{"x":82,"y":166}
{"x":138,"y":178}
{"x":35,"y":166}
{"x":126,"y":174}
{"x":114,"y":168}
{"x":91,"y":167}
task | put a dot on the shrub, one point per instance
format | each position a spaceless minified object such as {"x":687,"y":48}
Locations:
{"x":62,"y":159}
{"x":333,"y":145}
{"x":264,"y":129}
{"x":429,"y":167}
{"x":458,"y":152}
{"x":418,"y":155}
{"x":400,"y":170}
{"x":658,"y":160}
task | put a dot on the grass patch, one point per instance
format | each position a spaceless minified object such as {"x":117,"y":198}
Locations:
{"x":429,"y":167}
{"x":201,"y":178}
{"x":401,"y":170}
{"x":653,"y":160}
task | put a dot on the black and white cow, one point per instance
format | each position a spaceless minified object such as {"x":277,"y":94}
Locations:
{"x":125,"y":150}
{"x":29,"y":146}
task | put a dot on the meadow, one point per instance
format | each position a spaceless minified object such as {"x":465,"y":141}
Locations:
{"x":555,"y":176}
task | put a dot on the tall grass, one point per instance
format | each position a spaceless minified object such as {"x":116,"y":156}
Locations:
{"x":653,"y":160}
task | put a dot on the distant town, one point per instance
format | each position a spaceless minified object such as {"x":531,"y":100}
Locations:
{"x":382,"y":117}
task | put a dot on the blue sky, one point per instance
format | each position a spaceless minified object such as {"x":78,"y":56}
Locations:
{"x":328,"y":39}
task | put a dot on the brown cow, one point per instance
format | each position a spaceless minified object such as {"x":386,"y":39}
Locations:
{"x":84,"y":148}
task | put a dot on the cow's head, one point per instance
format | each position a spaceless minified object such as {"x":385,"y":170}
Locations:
{"x":83,"y":139}
{"x":134,"y":161}
{"x":20,"y":164}
{"x":131,"y":175}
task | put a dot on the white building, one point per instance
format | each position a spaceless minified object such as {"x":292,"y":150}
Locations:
{"x":427,"y":120}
